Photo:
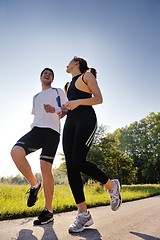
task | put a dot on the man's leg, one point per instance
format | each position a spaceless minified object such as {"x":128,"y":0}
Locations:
{"x":48,"y":183}
{"x":46,"y":215}
{"x":48,"y":152}
{"x":18,"y":155}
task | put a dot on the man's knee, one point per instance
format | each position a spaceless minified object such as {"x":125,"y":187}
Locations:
{"x":17,"y":152}
{"x":45,"y":166}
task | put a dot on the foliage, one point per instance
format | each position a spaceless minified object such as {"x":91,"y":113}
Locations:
{"x":18,"y":179}
{"x":141,"y":142}
{"x":60,"y":174}
{"x":111,"y":160}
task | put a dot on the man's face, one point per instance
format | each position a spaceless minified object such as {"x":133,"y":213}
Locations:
{"x":47,"y":78}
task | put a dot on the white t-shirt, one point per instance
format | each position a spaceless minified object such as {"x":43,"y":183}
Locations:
{"x":41,"y":117}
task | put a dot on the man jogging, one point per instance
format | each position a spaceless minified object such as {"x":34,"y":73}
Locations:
{"x":44,"y":134}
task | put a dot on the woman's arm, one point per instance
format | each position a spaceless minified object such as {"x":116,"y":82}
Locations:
{"x":93,"y":87}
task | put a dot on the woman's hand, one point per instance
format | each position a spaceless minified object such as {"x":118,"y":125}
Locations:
{"x":71,"y":105}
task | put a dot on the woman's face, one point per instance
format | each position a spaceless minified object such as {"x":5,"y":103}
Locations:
{"x":72,"y":64}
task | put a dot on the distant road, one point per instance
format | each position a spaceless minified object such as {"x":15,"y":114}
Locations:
{"x":133,"y":221}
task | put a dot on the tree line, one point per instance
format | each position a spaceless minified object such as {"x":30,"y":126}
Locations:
{"x":131,"y":154}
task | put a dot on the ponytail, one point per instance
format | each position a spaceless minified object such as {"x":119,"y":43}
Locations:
{"x":83,"y":67}
{"x":93,"y":71}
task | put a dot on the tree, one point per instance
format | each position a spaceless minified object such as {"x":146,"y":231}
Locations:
{"x":60,"y":174}
{"x":111,"y":160}
{"x":141,"y":142}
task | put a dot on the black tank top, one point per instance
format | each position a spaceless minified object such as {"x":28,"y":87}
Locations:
{"x":73,"y":93}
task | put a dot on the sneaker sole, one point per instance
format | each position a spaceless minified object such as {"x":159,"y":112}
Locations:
{"x":38,"y":222}
{"x":87,"y":224}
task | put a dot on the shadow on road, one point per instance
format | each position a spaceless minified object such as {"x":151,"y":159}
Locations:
{"x":49,"y":233}
{"x":89,"y":234}
{"x":145,"y":236}
{"x":26,"y":234}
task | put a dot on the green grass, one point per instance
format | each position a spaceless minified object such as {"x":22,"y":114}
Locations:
{"x":13,"y":198}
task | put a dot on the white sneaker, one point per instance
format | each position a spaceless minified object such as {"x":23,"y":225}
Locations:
{"x":82,"y":220}
{"x":115,"y":196}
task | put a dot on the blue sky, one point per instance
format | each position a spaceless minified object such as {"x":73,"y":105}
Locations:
{"x":119,"y":38}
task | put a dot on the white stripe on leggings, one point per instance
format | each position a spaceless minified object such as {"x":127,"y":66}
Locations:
{"x":91,"y":136}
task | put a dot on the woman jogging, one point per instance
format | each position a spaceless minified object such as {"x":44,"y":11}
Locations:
{"x":78,"y":133}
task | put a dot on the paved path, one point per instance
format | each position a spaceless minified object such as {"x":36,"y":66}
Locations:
{"x":133,"y":221}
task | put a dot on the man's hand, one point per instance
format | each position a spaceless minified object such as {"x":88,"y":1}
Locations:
{"x":64,"y":111}
{"x":49,"y":109}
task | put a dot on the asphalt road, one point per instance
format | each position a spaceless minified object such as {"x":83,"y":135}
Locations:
{"x":133,"y":221}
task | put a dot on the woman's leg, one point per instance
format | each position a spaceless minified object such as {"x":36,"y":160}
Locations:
{"x":74,"y":176}
{"x":77,"y":138}
{"x":83,"y":137}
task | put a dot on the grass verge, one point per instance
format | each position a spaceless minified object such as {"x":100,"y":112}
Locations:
{"x":13,"y":198}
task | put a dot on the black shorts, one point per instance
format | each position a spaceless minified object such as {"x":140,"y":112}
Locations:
{"x":45,"y":138}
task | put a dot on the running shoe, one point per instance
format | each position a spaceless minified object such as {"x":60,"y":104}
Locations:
{"x":44,"y":218}
{"x":115,"y":196}
{"x":33,"y":193}
{"x":82,"y":220}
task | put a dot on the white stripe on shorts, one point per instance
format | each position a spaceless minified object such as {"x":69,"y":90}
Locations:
{"x":46,"y":157}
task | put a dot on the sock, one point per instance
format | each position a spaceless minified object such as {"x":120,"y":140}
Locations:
{"x":47,"y":210}
{"x":35,"y":186}
{"x":84,"y":213}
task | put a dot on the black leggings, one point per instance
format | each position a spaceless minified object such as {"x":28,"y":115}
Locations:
{"x":78,"y":133}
